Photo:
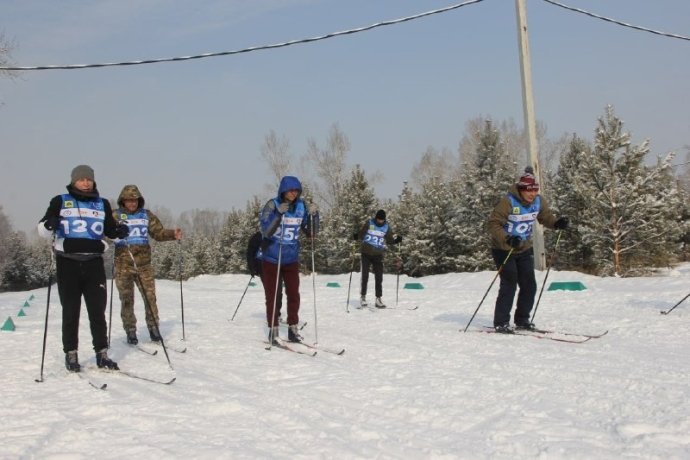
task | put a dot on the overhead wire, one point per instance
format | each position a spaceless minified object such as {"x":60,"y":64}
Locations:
{"x":324,"y":37}
{"x":620,"y":23}
{"x":250,"y":49}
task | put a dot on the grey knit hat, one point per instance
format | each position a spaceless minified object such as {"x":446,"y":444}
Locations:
{"x":82,"y":172}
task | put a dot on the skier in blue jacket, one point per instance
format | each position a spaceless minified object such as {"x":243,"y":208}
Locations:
{"x":282,"y":221}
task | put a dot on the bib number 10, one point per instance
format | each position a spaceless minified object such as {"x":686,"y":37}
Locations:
{"x":523,"y":228}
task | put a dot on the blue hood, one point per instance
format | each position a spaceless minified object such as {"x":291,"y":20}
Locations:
{"x":289,"y":183}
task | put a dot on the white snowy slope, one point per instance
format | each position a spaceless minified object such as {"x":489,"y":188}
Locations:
{"x":410,"y":384}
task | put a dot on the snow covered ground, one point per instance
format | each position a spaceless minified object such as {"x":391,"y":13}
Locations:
{"x":409,"y":385}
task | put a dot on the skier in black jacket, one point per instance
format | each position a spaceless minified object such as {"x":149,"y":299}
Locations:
{"x":77,"y":221}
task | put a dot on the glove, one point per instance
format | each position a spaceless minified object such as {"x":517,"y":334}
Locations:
{"x":312,"y":208}
{"x":561,"y":223}
{"x":51,"y":223}
{"x":398,"y":239}
{"x":513,"y":241}
{"x":355,"y":236}
{"x":121,"y":231}
{"x":283,"y":207}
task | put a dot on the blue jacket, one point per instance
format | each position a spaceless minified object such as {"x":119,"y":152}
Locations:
{"x":281,"y":232}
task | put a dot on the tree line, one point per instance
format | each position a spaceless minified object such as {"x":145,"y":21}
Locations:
{"x":629,"y":212}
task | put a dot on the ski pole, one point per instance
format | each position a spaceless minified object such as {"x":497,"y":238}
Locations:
{"x":674,"y":307}
{"x":500,"y":269}
{"x":553,"y":257}
{"x":112,"y":294}
{"x":313,"y":279}
{"x":241,"y":298}
{"x":179,"y":275}
{"x":147,"y":305}
{"x":45,"y":328}
{"x":397,"y":280}
{"x":349,"y":283}
{"x":275,"y":294}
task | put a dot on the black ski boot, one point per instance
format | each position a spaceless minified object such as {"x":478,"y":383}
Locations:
{"x":525,"y":326}
{"x":293,"y":334}
{"x":102,"y":360}
{"x":72,"y":361}
{"x":132,"y":337}
{"x":503,"y":329}
{"x":154,"y":334}
{"x":273,"y":335}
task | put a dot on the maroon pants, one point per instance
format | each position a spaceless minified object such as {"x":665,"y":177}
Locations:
{"x":290,"y":275}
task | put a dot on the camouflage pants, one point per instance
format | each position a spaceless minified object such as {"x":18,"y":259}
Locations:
{"x":125,"y":279}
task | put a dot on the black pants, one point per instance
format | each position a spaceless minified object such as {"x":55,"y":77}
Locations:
{"x":517,"y":272}
{"x":74,"y":279}
{"x":375,"y":262}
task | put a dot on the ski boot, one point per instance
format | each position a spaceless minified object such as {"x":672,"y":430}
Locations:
{"x":72,"y":361}
{"x":293,"y":334}
{"x":132,"y":337}
{"x":102,"y":360}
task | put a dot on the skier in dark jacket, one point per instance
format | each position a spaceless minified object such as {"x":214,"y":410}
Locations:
{"x":374,"y":235}
{"x":77,"y":221}
{"x":282,"y":221}
{"x":510,"y":226}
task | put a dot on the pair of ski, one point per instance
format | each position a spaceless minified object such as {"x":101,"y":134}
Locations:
{"x":308,"y":350}
{"x":153,"y":351}
{"x":99,"y":385}
{"x":557,"y":336}
{"x":370,"y":308}
{"x":102,"y":385}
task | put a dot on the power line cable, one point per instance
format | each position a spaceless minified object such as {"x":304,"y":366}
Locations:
{"x":250,"y":49}
{"x":620,"y":23}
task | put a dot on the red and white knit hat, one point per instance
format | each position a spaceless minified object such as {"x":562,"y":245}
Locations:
{"x":527,"y":180}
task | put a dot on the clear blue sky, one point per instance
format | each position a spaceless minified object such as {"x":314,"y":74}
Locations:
{"x":190,"y":133}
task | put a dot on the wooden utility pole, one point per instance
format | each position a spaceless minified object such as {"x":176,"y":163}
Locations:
{"x":530,"y":123}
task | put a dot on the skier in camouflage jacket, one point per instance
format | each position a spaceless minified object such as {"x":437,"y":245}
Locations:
{"x":133,"y":260}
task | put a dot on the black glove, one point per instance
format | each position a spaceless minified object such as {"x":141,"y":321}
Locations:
{"x":355,"y":236}
{"x":121,"y":231}
{"x":283,"y":207}
{"x":51,"y":223}
{"x":561,"y":223}
{"x":398,"y":239}
{"x":513,"y":241}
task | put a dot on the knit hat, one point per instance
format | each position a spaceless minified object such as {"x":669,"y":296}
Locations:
{"x":528,"y":181}
{"x":381,"y":214}
{"x":82,"y":172}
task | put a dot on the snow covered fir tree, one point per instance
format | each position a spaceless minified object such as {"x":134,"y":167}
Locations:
{"x":629,"y":211}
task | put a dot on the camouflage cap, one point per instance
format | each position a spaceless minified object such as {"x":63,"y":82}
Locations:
{"x":130,"y":192}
